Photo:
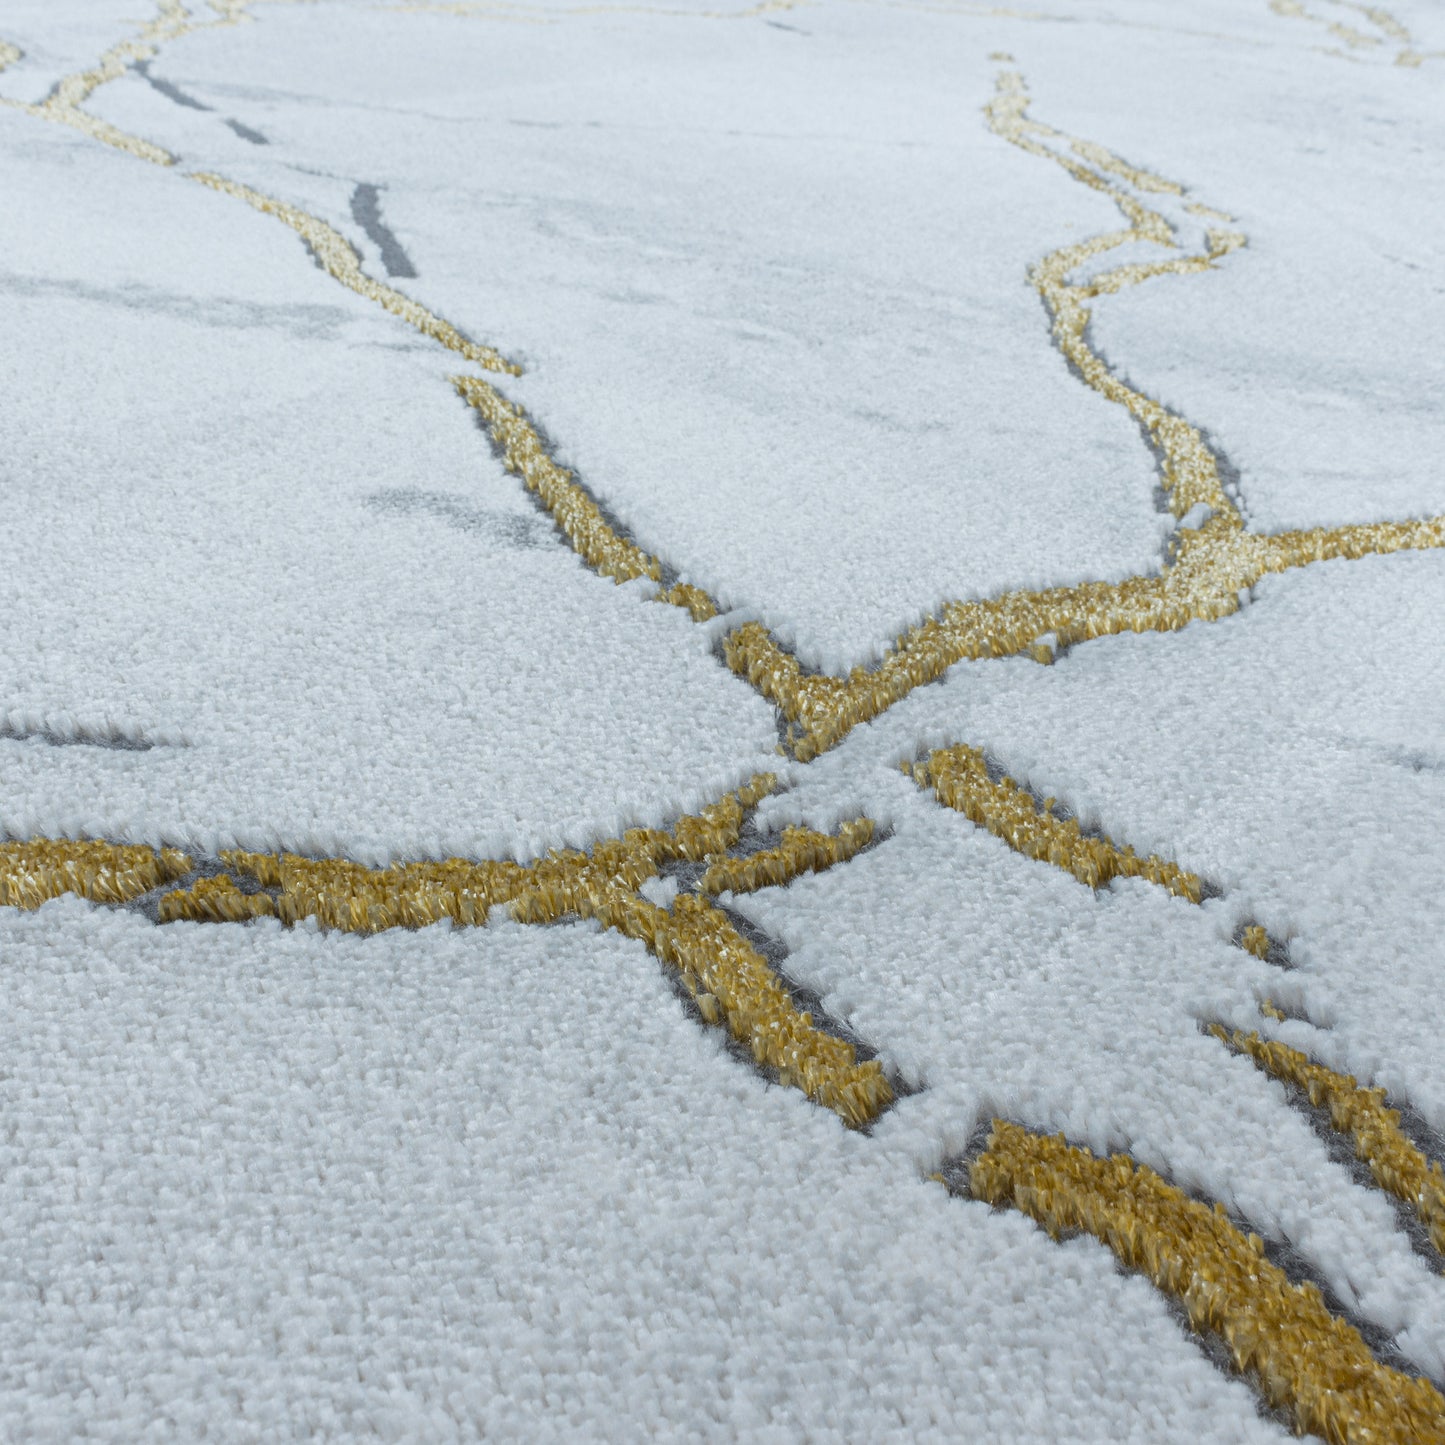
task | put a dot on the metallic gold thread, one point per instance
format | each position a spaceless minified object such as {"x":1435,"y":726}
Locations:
{"x":802,"y":850}
{"x":337,"y":255}
{"x":1212,"y":566}
{"x":1397,"y":1165}
{"x":959,"y":778}
{"x":732,"y":983}
{"x":1300,"y":1357}
{"x":1190,"y":474}
{"x":33,"y":872}
{"x":581,"y":521}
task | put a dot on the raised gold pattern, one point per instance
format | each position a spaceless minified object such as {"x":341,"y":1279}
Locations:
{"x":337,"y":255}
{"x":1301,"y":1358}
{"x":33,"y":872}
{"x":960,"y":780}
{"x":802,"y":850}
{"x":729,"y":980}
{"x":1397,"y":1166}
{"x":1304,"y":1359}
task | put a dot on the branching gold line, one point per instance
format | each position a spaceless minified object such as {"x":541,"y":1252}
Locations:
{"x":332,"y":249}
{"x":342,"y":263}
{"x":65,"y":103}
{"x":1190,"y":472}
{"x":1300,"y":1357}
{"x":959,"y":778}
{"x":32,"y":873}
{"x":802,"y":850}
{"x":1397,"y":1165}
{"x":1211,"y":567}
{"x":732,"y":983}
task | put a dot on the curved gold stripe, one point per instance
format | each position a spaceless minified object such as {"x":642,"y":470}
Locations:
{"x":1211,"y":567}
{"x":32,"y":873}
{"x":1397,"y":1165}
{"x":802,"y":850}
{"x":337,"y":255}
{"x":1300,"y":1357}
{"x":1190,"y":474}
{"x":959,"y":778}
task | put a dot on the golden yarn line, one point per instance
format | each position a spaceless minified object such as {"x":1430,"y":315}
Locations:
{"x":339,"y":259}
{"x":1190,"y":473}
{"x":802,"y":850}
{"x":524,"y":453}
{"x":1212,"y":565}
{"x":959,"y":779}
{"x":1383,"y":21}
{"x":1299,"y":1356}
{"x":32,"y":873}
{"x":730,"y":981}
{"x":1397,"y":1165}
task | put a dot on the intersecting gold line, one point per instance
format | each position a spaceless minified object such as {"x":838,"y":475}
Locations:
{"x":732,"y":983}
{"x":1301,"y":1357}
{"x":1208,"y":572}
{"x":1210,"y":566}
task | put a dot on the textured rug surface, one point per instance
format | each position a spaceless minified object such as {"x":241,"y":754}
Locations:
{"x":722,"y":720}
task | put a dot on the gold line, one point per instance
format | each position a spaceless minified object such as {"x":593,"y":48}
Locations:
{"x":572,"y":509}
{"x":34,"y":872}
{"x":959,"y":779}
{"x":1212,"y":565}
{"x":802,"y":850}
{"x":1397,"y":1165}
{"x":341,"y":262}
{"x":1190,"y":473}
{"x":730,"y":981}
{"x":332,"y":249}
{"x":1203,"y":583}
{"x":1300,"y":1357}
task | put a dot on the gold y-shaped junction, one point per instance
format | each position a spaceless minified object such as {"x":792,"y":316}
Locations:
{"x":1306,"y":1359}
{"x":1210,"y":565}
